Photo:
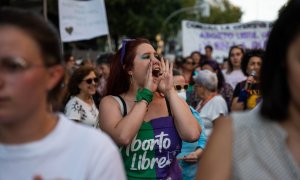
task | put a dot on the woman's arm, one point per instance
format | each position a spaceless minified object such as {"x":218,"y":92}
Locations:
{"x":187,"y":126}
{"x":216,"y":159}
{"x":121,"y":129}
{"x":237,"y":106}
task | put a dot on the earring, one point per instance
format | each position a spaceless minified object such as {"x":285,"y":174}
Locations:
{"x":131,"y":79}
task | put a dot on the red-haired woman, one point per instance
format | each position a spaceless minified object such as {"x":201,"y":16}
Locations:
{"x":143,"y":113}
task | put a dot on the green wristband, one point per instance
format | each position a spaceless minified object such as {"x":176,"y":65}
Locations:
{"x":144,"y":94}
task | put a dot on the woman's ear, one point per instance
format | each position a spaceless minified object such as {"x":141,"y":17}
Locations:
{"x":55,"y":75}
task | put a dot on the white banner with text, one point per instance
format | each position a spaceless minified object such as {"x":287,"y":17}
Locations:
{"x":195,"y":36}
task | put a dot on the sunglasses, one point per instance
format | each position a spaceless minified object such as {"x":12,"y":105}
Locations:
{"x":180,"y":87}
{"x":90,"y":80}
{"x":14,"y":64}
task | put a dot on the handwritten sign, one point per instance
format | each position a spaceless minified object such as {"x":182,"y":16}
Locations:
{"x":82,"y":20}
{"x":250,"y":35}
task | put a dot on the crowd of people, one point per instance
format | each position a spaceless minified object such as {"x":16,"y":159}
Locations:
{"x":133,"y":114}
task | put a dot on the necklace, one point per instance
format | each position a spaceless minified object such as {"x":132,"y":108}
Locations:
{"x":202,"y":103}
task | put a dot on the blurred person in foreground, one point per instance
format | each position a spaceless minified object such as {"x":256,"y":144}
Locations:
{"x":34,"y":142}
{"x":264,"y":143}
{"x":144,"y":114}
{"x":190,"y":152}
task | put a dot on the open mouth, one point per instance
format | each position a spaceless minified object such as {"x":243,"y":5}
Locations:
{"x":156,"y":72}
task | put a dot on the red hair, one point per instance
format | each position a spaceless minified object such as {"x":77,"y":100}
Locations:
{"x":119,"y":79}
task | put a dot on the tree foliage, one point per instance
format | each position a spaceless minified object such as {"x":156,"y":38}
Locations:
{"x":140,"y":18}
{"x":231,"y":14}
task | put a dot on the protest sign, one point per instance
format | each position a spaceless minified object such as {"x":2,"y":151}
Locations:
{"x":196,"y":36}
{"x":82,"y":20}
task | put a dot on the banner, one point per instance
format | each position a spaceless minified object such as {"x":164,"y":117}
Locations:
{"x":82,"y":19}
{"x":221,"y":37}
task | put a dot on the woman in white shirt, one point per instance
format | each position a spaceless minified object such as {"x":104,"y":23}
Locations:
{"x":234,"y":73}
{"x":82,"y":87}
{"x":212,"y":106}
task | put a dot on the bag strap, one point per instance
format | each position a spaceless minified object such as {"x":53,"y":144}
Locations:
{"x":168,"y":106}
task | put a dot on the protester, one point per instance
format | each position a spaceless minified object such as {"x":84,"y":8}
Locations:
{"x":34,"y":142}
{"x":143,"y":113}
{"x":103,"y":68}
{"x":190,"y":152}
{"x":197,"y":59}
{"x":187,"y":69}
{"x":264,"y":143}
{"x":224,"y":89}
{"x":81,"y":106}
{"x":212,"y":105}
{"x":234,"y":74}
{"x":247,"y":93}
{"x":208,"y":52}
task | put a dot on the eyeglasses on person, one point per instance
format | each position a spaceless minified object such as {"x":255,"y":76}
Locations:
{"x":90,"y":80}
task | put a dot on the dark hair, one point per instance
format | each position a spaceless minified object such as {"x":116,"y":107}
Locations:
{"x":200,"y":55}
{"x":104,"y":58}
{"x":215,"y":66}
{"x":230,"y":65}
{"x":77,"y":78}
{"x":119,"y":81}
{"x":248,"y":55}
{"x":209,"y":47}
{"x":195,"y":52}
{"x":184,"y":60}
{"x":43,"y":33}
{"x":274,"y":86}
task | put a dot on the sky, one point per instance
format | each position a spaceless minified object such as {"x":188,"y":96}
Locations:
{"x":263,"y":10}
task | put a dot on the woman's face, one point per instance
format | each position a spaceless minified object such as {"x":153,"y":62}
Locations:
{"x":197,"y":58}
{"x":189,"y":64}
{"x":293,"y":67}
{"x":236,"y":55}
{"x":200,"y":90}
{"x":254,"y":64}
{"x":89,"y":84}
{"x":145,"y":54}
{"x":24,"y":80}
{"x":104,"y":70}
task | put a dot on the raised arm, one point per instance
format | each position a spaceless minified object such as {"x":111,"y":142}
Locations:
{"x":216,"y":159}
{"x":121,"y":129}
{"x":186,"y":125}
